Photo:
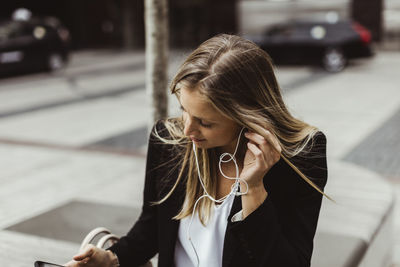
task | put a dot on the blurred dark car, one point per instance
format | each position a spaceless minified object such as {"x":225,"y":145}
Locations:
{"x":36,"y":44}
{"x":316,"y":42}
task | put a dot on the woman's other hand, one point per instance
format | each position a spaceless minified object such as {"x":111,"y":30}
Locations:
{"x":261,"y":155}
{"x":94,"y":257}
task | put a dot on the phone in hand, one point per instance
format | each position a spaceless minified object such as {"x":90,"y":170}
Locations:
{"x":46,"y":264}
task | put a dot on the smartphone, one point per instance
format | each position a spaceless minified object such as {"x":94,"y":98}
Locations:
{"x":46,"y":264}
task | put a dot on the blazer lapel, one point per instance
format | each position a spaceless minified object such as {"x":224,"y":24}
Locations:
{"x":170,"y":227}
{"x":230,"y":242}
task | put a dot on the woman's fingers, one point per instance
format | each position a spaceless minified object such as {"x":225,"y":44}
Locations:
{"x":85,"y":260}
{"x":254,"y":149}
{"x":269,"y":148}
{"x":260,"y":157}
{"x":87,"y":253}
{"x":258,"y":154}
{"x":271,"y":142}
{"x":256,"y":138}
{"x":71,"y":264}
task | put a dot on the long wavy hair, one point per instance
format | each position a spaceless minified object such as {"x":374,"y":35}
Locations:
{"x":237,"y":78}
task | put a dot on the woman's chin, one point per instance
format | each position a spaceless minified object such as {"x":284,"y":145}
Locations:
{"x":201,"y":144}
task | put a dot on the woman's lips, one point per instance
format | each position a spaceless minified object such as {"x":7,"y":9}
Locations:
{"x":197,"y":140}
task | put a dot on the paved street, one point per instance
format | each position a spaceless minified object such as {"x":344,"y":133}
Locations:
{"x":78,"y":139}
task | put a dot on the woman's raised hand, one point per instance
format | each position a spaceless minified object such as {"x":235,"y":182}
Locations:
{"x":94,"y":257}
{"x":261,"y":155}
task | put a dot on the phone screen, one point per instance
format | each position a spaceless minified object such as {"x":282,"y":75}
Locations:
{"x":46,"y":264}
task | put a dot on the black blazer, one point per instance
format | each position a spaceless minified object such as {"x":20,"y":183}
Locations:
{"x":280,"y":232}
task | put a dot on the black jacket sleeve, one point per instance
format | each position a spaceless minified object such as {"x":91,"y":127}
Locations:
{"x":140,"y":243}
{"x":280,"y":231}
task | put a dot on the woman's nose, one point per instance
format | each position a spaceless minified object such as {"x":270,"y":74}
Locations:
{"x":189,"y":126}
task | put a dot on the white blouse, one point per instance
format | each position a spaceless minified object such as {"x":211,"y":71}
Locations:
{"x":208,"y":241}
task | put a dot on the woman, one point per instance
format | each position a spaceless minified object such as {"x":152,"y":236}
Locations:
{"x":235,"y":181}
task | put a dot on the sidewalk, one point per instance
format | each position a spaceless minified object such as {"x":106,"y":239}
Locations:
{"x":351,"y":108}
{"x":348,"y":107}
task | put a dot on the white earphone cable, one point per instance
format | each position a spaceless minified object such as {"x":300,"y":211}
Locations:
{"x":234,"y":187}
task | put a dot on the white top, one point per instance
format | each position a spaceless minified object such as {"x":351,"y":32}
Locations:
{"x":208,"y":241}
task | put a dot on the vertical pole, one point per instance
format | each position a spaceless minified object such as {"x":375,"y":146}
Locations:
{"x":156,"y":26}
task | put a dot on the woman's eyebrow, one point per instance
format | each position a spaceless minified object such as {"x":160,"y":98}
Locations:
{"x":204,"y":119}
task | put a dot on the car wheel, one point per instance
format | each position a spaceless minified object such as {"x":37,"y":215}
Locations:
{"x":334,"y":60}
{"x":55,"y":62}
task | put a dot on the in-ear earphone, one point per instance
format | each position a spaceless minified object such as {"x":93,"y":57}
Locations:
{"x":234,"y":187}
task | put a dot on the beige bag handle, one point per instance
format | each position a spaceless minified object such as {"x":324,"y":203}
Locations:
{"x":108,"y":236}
{"x":102,"y":241}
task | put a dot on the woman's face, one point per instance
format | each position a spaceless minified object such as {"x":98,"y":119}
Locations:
{"x":206,"y":126}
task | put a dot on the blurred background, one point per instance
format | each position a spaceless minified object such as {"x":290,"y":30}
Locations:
{"x":74,"y":114}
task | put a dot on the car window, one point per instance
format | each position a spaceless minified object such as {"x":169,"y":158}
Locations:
{"x":14,"y":29}
{"x":280,"y":30}
{"x":301,"y":29}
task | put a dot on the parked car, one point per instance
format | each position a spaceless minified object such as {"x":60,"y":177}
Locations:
{"x":34,"y":44}
{"x":330,"y":44}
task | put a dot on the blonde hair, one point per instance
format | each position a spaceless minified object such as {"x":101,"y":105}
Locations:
{"x":238,"y":79}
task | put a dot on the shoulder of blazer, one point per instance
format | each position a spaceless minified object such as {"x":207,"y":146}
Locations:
{"x":313,"y":162}
{"x":167,"y":156}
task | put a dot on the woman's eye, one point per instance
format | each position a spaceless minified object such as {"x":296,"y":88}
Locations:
{"x":205,"y":124}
